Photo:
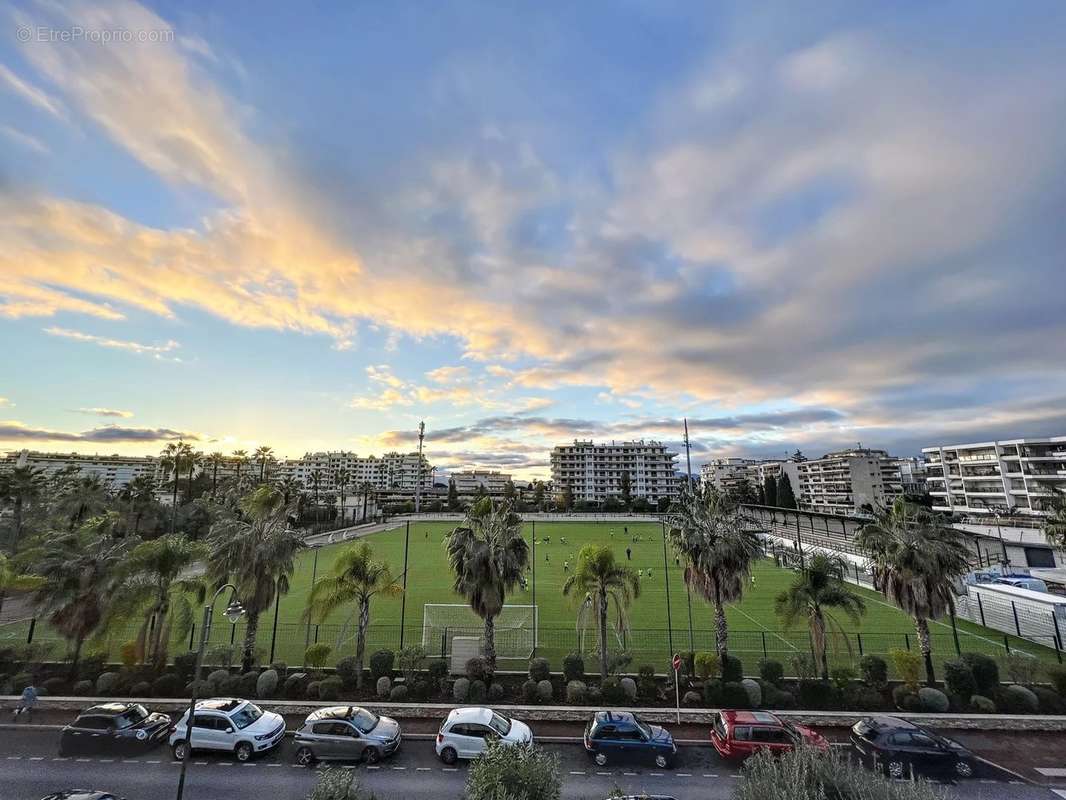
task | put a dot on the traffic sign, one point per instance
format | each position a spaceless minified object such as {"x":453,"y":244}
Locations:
{"x":677,"y":662}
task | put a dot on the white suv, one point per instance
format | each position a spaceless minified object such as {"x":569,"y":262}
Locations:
{"x":467,"y":731}
{"x":234,"y":726}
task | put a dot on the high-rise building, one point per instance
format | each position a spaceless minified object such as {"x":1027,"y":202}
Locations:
{"x":1015,"y":475}
{"x":594,"y":471}
{"x":472,"y":481}
{"x":114,"y":470}
{"x":912,"y":474}
{"x":399,"y":472}
{"x":848,"y":481}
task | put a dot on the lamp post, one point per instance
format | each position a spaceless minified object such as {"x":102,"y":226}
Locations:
{"x":234,"y":611}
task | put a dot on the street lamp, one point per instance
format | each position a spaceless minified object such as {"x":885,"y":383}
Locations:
{"x":234,"y":611}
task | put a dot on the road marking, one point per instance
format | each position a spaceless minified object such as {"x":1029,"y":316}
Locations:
{"x":423,"y":769}
{"x":629,"y":773}
{"x":36,"y":758}
{"x":683,"y":774}
{"x":656,"y":774}
{"x":575,"y":772}
{"x":223,"y":763}
{"x":131,"y":761}
{"x":83,"y":760}
{"x":249,"y":765}
{"x":710,"y":775}
{"x":60,"y":758}
{"x":1060,"y":792}
{"x":106,"y":760}
{"x":154,"y":761}
{"x":373,"y":767}
{"x":604,"y":773}
{"x":199,"y":763}
{"x":399,"y":767}
{"x":280,"y":765}
{"x":14,"y":758}
{"x":1052,"y":772}
{"x":449,"y":769}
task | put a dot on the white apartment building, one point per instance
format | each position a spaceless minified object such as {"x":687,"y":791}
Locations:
{"x":472,"y":481}
{"x":114,"y":470}
{"x":1020,"y":475}
{"x":727,"y":474}
{"x":594,"y":471}
{"x":912,"y":473}
{"x":400,"y":472}
{"x":847,"y":481}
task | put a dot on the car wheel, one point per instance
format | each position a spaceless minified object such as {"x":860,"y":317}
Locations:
{"x":448,"y":755}
{"x":964,"y":769}
{"x":243,"y":751}
{"x":371,"y":755}
{"x":600,"y":759}
{"x":304,"y":757}
{"x":662,"y":762}
{"x":179,"y":751}
{"x":894,"y":769}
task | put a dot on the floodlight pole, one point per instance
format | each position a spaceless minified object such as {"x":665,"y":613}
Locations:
{"x":534,"y":592}
{"x":418,"y":485}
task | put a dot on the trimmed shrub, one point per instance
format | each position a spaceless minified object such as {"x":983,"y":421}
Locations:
{"x":478,"y":692}
{"x":420,"y":689}
{"x":612,"y":692}
{"x":842,"y":677}
{"x":959,"y":680}
{"x":330,"y":688}
{"x":381,"y":663}
{"x":92,"y":665}
{"x":647,"y":688}
{"x":105,"y":684}
{"x":167,"y":685}
{"x":860,"y":697}
{"x":777,"y":699}
{"x":818,"y":695}
{"x":529,"y":692}
{"x":577,"y":693}
{"x":266,"y":684}
{"x":383,"y":686}
{"x":230,"y":686}
{"x":312,"y":690}
{"x":734,"y":695}
{"x":1051,"y":702}
{"x":629,"y":686}
{"x":59,"y":686}
{"x":1056,"y":673}
{"x":754,"y":692}
{"x":691,"y":699}
{"x":398,"y":694}
{"x":316,"y":655}
{"x":545,"y":693}
{"x":982,"y":705}
{"x":215,"y":678}
{"x":296,"y":685}
{"x":1018,"y":700}
{"x":496,"y":693}
{"x":203,"y":689}
{"x":874,"y":671}
{"x":933,"y":700}
{"x":985,"y":672}
{"x":438,"y":669}
{"x":802,"y":666}
{"x":141,"y":689}
{"x":477,"y":669}
{"x":410,"y":660}
{"x":908,"y":666}
{"x":706,"y":665}
{"x":281,"y":668}
{"x":247,"y":683}
{"x":712,"y":694}
{"x":346,"y":670}
{"x":184,"y":664}
{"x":732,"y":669}
{"x":1022,"y":668}
{"x":461,"y":689}
{"x":574,"y":667}
{"x":127,"y":654}
{"x":771,"y":671}
{"x":82,"y":688}
{"x":901,"y":692}
{"x":539,"y":669}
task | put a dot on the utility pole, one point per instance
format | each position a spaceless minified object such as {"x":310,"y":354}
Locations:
{"x":688,"y":458}
{"x":418,"y":485}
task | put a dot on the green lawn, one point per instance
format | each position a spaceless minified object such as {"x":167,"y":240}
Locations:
{"x":656,"y":629}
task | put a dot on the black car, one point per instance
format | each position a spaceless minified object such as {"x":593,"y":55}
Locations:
{"x":114,"y":728}
{"x":897,"y":746}
{"x":82,"y":794}
{"x":624,"y":737}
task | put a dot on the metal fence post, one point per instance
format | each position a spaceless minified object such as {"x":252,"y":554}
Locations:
{"x":764,"y":653}
{"x":981,"y":610}
{"x":1006,"y":644}
{"x":316,"y":634}
{"x":443,"y":642}
{"x":907,"y":640}
{"x":1058,"y":633}
{"x":858,"y":638}
{"x":192,"y":633}
{"x":1017,"y":627}
{"x":33,"y":627}
{"x":955,"y":635}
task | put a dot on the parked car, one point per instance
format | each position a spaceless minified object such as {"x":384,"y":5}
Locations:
{"x":467,"y":731}
{"x":624,"y":737}
{"x":82,"y":794}
{"x":230,"y":725}
{"x":114,"y":728}
{"x":896,"y":745}
{"x":739,"y":734}
{"x":346,"y":733}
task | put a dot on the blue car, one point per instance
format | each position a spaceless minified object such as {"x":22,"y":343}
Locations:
{"x":621,"y":736}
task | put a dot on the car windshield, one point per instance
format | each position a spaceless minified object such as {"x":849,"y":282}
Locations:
{"x":365,"y":721}
{"x":132,"y":716}
{"x":246,"y":715}
{"x":501,"y":725}
{"x":642,"y":727}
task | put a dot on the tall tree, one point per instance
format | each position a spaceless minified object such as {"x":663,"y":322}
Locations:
{"x":626,"y":489}
{"x":814,"y":594}
{"x":916,"y":560}
{"x":510,"y":493}
{"x":368,"y":491}
{"x":719,"y":543}
{"x":785,"y":496}
{"x":290,"y":489}
{"x":317,"y":479}
{"x":342,"y":480}
{"x":1055,"y":524}
{"x":453,"y":495}
{"x":195,"y":459}
{"x":214,"y":461}
{"x":603,"y":583}
{"x":23,"y":487}
{"x":154,"y":588}
{"x":85,"y":498}
{"x":355,"y":578}
{"x":566,"y":500}
{"x":769,"y":490}
{"x":256,"y":551}
{"x":488,"y":557}
{"x":141,"y":494}
{"x":538,"y":495}
{"x":263,"y":456}
{"x":240,"y":461}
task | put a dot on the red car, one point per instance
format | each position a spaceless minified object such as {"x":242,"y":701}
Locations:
{"x":739,"y":734}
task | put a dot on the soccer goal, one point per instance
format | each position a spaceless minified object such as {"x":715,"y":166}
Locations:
{"x":516,"y":631}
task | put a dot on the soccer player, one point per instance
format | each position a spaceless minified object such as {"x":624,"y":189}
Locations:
{"x":629,"y":554}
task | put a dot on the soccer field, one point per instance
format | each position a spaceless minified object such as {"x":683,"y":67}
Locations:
{"x":657,"y":628}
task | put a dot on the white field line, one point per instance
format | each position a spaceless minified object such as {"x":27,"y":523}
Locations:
{"x":786,"y":641}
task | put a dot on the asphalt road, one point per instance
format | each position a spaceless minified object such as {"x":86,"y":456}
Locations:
{"x":30,"y":769}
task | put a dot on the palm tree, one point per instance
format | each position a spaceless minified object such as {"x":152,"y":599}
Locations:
{"x":367,"y":488}
{"x":719,"y":544}
{"x":173,"y":461}
{"x":488,"y":557}
{"x":153,"y":588}
{"x":814,"y":591}
{"x":140,"y":494}
{"x":86,"y":497}
{"x":240,"y":459}
{"x":13,"y":580}
{"x":317,"y":478}
{"x":80,"y":570}
{"x":915,"y":560}
{"x":195,"y":459}
{"x":290,"y":489}
{"x":603,"y":583}
{"x":215,"y":460}
{"x":354,"y":578}
{"x":1055,"y":524}
{"x":341,"y":480}
{"x":23,"y":487}
{"x":256,"y":551}
{"x":263,"y":455}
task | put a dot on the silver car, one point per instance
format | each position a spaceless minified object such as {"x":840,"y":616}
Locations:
{"x":346,"y":733}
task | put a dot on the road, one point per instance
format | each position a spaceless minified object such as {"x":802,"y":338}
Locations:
{"x":31,"y":769}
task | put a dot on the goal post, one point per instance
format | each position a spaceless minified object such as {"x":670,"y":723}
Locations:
{"x":515,"y":631}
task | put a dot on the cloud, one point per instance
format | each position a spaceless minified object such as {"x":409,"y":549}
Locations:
{"x":15,"y":431}
{"x":6,"y":403}
{"x":33,"y":95}
{"x":158,"y":351}
{"x":448,"y":374}
{"x":105,"y":412}
{"x":24,"y":140}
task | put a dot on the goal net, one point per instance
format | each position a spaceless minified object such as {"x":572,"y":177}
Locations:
{"x":516,"y":630}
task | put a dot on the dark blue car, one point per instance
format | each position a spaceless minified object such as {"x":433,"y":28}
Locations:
{"x":623,"y":737}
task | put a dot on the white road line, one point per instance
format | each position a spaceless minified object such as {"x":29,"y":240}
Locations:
{"x":683,"y":774}
{"x":60,"y":758}
{"x":18,"y":758}
{"x":399,"y":767}
{"x":1060,"y":792}
{"x":249,"y":765}
{"x":223,"y":763}
{"x":656,"y":774}
{"x":83,"y":760}
{"x":629,"y":773}
{"x":575,"y":772}
{"x":449,"y":769}
{"x":106,"y":760}
{"x":36,"y":758}
{"x":710,"y":775}
{"x":153,"y":761}
{"x":373,"y":767}
{"x":278,"y":765}
{"x":1052,"y":772}
{"x":422,"y":769}
{"x":605,"y":773}
{"x":131,"y":761}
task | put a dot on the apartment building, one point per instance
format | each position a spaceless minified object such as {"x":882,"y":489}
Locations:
{"x":594,"y":471}
{"x":114,"y":470}
{"x":399,"y":472}
{"x":1016,"y":475}
{"x":728,"y":474}
{"x":847,"y":481}
{"x":472,"y":481}
{"x":912,"y":473}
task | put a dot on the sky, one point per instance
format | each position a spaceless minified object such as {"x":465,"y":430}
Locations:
{"x":312,"y":226}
